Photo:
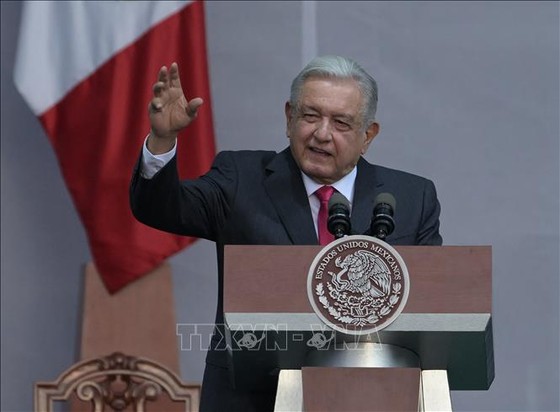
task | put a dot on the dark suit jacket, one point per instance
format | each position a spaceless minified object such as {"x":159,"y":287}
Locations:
{"x":258,"y":197}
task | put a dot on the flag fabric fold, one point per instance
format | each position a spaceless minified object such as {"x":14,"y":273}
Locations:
{"x":86,"y":70}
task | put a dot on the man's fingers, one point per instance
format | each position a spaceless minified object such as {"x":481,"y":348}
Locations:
{"x":155,"y":105}
{"x":158,"y":88}
{"x":162,"y":74}
{"x":170,"y":78}
{"x":192,"y":106}
{"x":174,"y":80}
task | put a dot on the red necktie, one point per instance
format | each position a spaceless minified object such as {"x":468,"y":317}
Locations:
{"x":324,"y":194}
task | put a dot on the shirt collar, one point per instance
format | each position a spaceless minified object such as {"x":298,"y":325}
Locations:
{"x":344,"y":186}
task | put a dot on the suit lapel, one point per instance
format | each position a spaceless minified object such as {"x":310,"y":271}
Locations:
{"x":285,"y":188}
{"x":366,"y":188}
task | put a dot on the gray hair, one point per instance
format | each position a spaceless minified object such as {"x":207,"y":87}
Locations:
{"x":339,"y":68}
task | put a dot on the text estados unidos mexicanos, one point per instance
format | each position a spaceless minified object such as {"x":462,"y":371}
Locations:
{"x":385,"y":255}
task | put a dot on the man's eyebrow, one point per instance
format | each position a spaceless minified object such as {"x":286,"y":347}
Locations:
{"x":338,"y":116}
{"x":346,"y":117}
{"x":305,"y":107}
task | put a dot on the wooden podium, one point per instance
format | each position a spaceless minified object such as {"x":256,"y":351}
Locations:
{"x":442,"y":340}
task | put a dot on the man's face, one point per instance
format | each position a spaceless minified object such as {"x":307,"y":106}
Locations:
{"x":326,"y":132}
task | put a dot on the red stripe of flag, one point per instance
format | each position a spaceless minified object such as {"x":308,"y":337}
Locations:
{"x":97,"y":131}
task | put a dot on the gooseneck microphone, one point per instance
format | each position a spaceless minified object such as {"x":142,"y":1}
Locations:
{"x":382,"y":223}
{"x":338,"y":222}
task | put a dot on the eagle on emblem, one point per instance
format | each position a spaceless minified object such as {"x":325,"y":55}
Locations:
{"x":367,"y":274}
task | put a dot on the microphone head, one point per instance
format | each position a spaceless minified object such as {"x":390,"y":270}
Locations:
{"x":385,"y":198}
{"x":382,"y":223}
{"x":338,"y":199}
{"x":338,"y":222}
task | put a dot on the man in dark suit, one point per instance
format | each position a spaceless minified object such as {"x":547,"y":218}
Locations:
{"x":261,"y":197}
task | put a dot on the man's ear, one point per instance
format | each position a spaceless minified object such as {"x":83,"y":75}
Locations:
{"x":288,"y":112}
{"x":370,"y":133}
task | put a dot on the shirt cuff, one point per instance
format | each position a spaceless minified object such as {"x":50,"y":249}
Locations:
{"x":151,"y":163}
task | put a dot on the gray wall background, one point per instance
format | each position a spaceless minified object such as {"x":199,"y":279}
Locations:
{"x":469,"y":97}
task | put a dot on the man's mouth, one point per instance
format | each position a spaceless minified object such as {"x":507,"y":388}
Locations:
{"x":319,"y":151}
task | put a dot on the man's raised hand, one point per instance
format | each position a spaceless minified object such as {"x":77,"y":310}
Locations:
{"x":169,"y":110}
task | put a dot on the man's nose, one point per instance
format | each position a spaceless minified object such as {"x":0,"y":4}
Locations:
{"x":323,"y":130}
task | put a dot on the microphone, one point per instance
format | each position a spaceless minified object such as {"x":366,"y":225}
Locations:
{"x":382,"y":223}
{"x":338,"y":222}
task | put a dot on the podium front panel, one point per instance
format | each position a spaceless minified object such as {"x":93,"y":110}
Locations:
{"x":270,"y":324}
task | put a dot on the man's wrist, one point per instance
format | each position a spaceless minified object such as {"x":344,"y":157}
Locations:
{"x":160,"y":145}
{"x":152,"y":163}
